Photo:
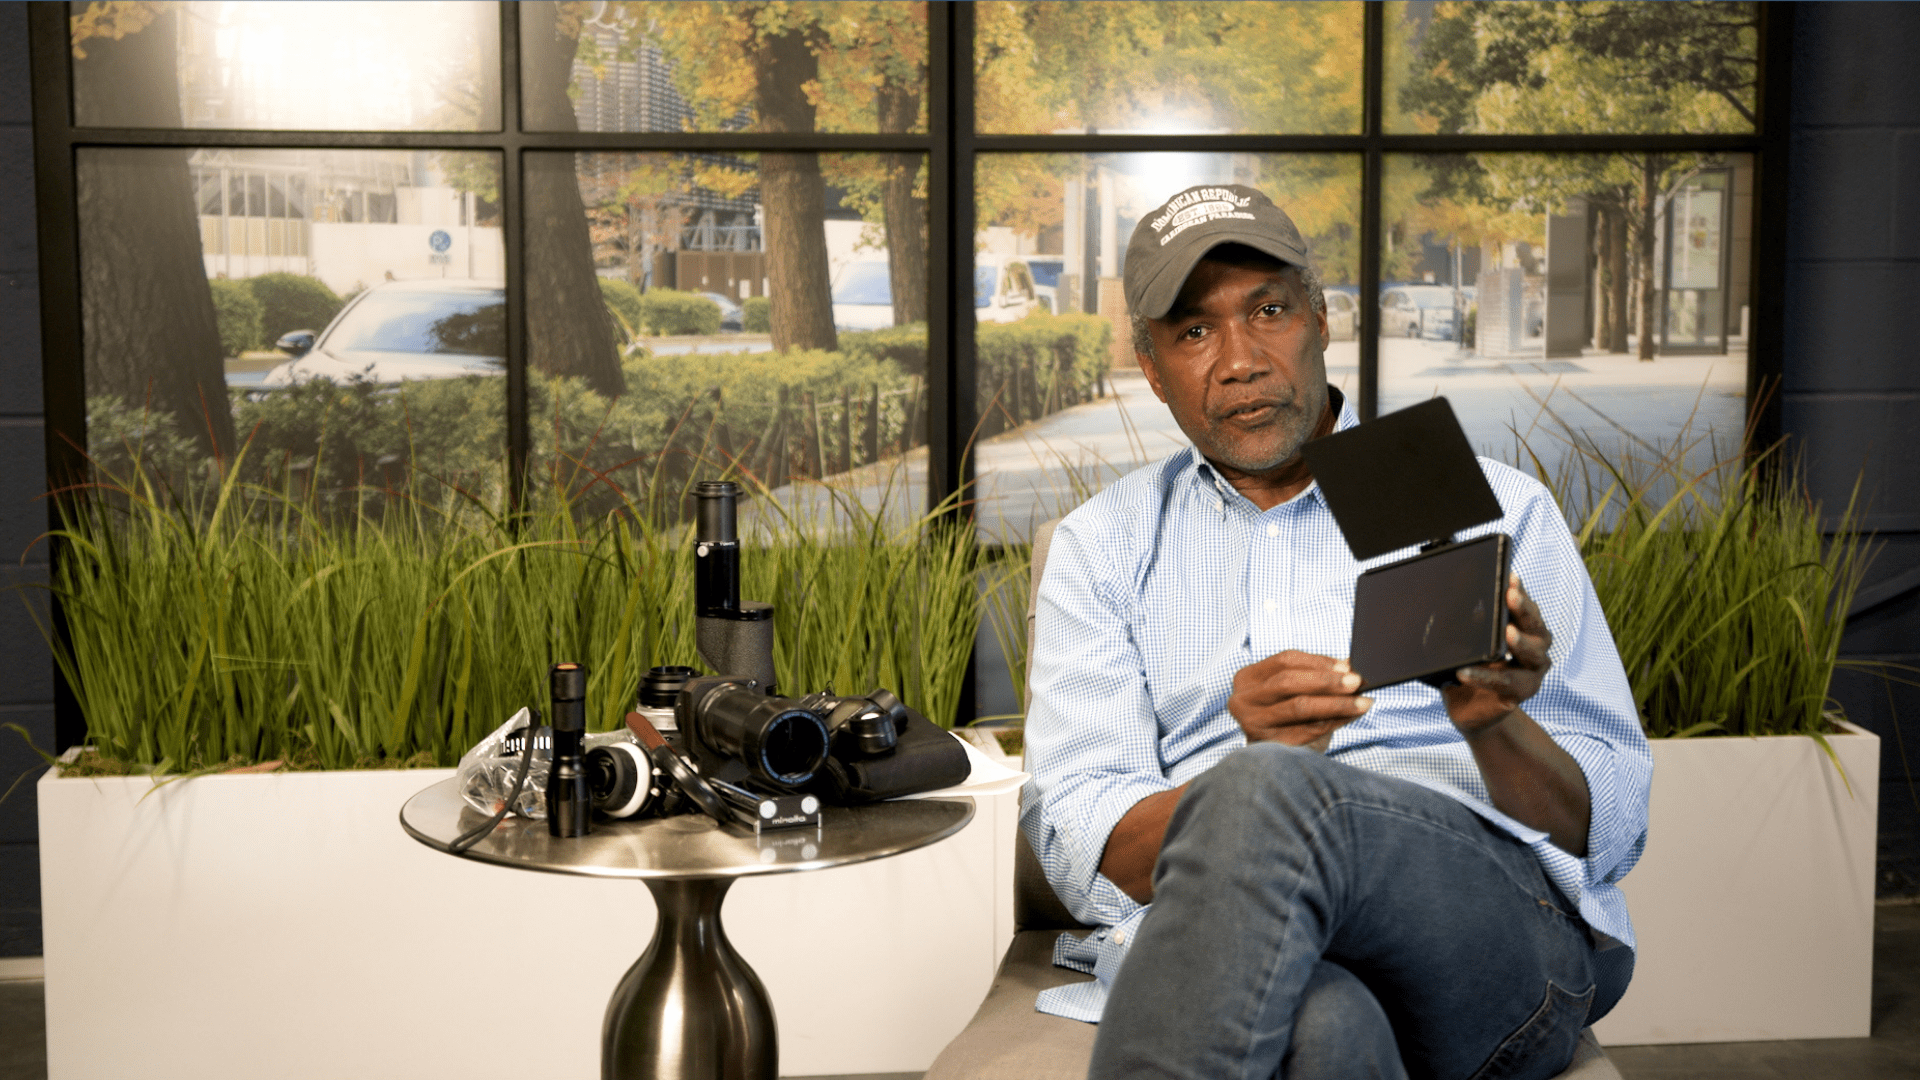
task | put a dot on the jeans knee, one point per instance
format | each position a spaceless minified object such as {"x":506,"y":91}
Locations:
{"x":1261,"y":768}
{"x":1340,"y":1030}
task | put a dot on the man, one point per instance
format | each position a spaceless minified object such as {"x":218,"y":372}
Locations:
{"x":1302,"y":881}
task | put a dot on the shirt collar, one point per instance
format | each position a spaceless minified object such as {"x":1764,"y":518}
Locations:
{"x":1204,"y":475}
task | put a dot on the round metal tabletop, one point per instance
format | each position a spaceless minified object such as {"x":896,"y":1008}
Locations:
{"x":688,"y":846}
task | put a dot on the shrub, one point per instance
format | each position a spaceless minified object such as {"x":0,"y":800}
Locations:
{"x":1038,"y":365}
{"x":625,"y":303}
{"x":669,"y":311}
{"x":239,"y":316}
{"x":905,"y":346}
{"x":293,"y":302}
{"x":756,"y":315}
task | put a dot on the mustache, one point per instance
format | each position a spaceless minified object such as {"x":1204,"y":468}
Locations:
{"x":1228,"y":410}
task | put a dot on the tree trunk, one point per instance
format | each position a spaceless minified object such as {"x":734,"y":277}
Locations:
{"x":1617,"y":245}
{"x":793,"y":196}
{"x":148,"y":328}
{"x":1604,"y":314}
{"x":572,"y":331}
{"x":905,"y":215}
{"x":1650,"y":168}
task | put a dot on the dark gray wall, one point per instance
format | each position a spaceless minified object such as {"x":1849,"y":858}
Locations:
{"x":26,"y":670}
{"x":1852,"y":392}
{"x":1852,"y":383}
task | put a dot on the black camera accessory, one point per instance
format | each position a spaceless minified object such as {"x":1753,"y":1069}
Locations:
{"x":923,"y":758}
{"x":685,"y":780}
{"x":734,"y":636}
{"x":1429,"y":616}
{"x":569,"y":799}
{"x":861,"y":727}
{"x":1407,"y":478}
{"x":781,"y":743}
{"x":622,"y":780}
{"x":759,"y":812}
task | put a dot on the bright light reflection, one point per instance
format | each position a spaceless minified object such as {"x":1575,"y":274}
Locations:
{"x":353,"y":64}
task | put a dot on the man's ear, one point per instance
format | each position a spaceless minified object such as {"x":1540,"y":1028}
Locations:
{"x":1152,"y":374}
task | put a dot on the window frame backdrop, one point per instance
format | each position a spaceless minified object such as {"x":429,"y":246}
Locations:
{"x":951,"y":146}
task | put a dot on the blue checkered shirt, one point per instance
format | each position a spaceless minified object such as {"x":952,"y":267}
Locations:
{"x":1158,"y":589}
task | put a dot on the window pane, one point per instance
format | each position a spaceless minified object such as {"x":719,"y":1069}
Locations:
{"x":1525,"y":68}
{"x":337,"y":348}
{"x":292,"y":66}
{"x":1167,"y":68}
{"x":760,"y":317}
{"x":1522,"y":288}
{"x":1064,"y":407}
{"x":843,"y":67}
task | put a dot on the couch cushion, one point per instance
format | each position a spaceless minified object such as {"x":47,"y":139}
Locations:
{"x":1008,"y":1039}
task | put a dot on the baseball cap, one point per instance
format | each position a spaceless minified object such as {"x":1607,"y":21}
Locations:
{"x":1168,"y":242}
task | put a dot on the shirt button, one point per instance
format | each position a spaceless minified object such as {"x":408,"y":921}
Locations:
{"x":1119,"y":937}
{"x":1273,"y":530}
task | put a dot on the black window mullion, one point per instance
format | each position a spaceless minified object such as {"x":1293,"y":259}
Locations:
{"x":62,"y":364}
{"x":1367,"y":319}
{"x":513,"y":219}
{"x":950,"y":329}
{"x":1767,"y":279}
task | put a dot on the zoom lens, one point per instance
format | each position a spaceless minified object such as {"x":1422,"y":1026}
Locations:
{"x":779,"y":741}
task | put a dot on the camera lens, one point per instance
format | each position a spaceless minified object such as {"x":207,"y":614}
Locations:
{"x":780,"y":742}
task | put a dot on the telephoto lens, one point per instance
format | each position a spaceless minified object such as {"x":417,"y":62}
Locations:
{"x":569,"y":798}
{"x":781,"y":742}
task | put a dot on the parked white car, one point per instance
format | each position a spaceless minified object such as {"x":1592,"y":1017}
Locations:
{"x":1003,"y":291}
{"x":863,"y":296}
{"x":403,"y":330}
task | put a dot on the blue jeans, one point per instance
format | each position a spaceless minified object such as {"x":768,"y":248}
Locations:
{"x":1311,"y":919}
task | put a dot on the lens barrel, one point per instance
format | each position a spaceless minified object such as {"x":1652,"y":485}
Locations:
{"x":780,"y":742}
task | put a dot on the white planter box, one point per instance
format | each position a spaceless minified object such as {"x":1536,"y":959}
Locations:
{"x":1754,"y":901}
{"x":285,"y":926}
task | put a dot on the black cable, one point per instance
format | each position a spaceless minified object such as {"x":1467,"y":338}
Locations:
{"x":480,"y":832}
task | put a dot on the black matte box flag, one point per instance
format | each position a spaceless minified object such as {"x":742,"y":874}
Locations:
{"x":1404,"y":479}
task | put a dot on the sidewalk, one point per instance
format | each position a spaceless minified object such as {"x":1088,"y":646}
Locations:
{"x":1045,"y":468}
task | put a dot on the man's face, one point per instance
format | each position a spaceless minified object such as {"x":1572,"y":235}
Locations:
{"x":1240,"y":359}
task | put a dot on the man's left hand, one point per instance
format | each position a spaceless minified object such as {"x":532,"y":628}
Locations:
{"x":1489,"y":693}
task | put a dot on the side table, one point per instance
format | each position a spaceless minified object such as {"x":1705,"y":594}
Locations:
{"x":690,"y":1008}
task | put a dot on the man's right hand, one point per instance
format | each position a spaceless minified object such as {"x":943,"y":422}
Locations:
{"x":1296,"y":698}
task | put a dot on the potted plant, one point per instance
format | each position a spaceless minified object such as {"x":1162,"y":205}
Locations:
{"x":266,"y":682}
{"x":1727,"y":590}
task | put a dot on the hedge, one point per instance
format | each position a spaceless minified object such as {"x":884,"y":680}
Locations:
{"x":756,"y":315}
{"x":291,"y":302}
{"x":669,"y":311}
{"x":238,"y":314}
{"x":1038,"y":366}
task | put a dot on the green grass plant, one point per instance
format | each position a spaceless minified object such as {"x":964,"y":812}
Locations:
{"x":1726,"y":587}
{"x":229,"y":622}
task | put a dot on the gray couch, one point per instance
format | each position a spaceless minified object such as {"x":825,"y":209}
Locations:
{"x":1009,"y":1040}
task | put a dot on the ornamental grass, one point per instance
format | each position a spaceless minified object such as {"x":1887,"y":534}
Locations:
{"x":227,"y":623}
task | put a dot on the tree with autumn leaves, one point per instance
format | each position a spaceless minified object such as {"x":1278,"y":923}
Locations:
{"x":792,"y":67}
{"x":1602,"y":66}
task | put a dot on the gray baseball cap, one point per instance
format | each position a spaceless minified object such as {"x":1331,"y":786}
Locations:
{"x":1168,"y":242}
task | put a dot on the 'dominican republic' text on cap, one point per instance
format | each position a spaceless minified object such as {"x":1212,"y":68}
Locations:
{"x":1168,"y":242}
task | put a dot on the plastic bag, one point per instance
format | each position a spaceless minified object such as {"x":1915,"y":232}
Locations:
{"x":486,"y":772}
